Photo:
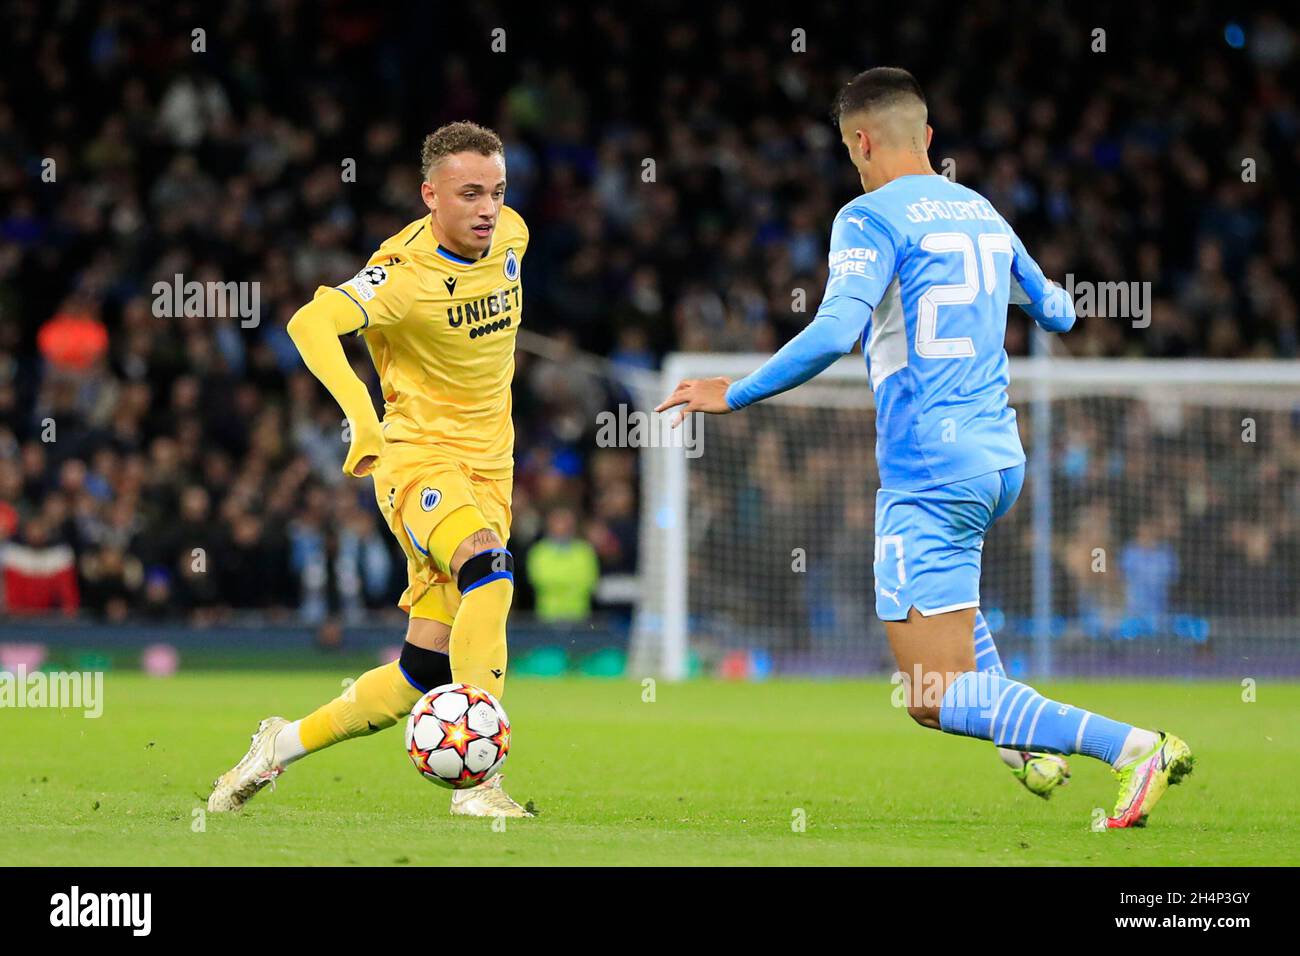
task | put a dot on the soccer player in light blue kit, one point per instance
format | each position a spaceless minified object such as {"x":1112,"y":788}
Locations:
{"x":921,"y":272}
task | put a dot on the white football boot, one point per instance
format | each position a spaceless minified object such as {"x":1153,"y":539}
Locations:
{"x":257,"y":769}
{"x":485,"y":800}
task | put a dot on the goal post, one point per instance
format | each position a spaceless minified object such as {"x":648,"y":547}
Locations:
{"x":1157,"y":533}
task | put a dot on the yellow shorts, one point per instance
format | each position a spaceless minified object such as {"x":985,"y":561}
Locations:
{"x":432,"y":503}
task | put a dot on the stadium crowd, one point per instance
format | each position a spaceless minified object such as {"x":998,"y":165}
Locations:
{"x":679,"y":175}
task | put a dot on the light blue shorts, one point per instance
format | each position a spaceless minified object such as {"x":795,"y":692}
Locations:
{"x":929,"y":543}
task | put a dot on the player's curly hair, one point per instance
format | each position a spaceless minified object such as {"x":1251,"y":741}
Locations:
{"x":461,"y":137}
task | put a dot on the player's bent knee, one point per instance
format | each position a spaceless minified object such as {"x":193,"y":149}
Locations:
{"x":492,"y":564}
{"x":484,"y":539}
{"x":423,"y":668}
{"x":924,"y":715}
{"x":429,"y":634}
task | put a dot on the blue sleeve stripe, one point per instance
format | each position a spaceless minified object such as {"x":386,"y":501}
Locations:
{"x":364,"y":314}
{"x":410,"y":534}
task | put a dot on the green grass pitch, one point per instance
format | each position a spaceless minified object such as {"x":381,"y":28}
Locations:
{"x":708,"y":773}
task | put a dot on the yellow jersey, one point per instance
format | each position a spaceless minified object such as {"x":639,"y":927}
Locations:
{"x":441,"y":331}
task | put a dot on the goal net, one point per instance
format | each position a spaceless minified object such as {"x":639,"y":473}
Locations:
{"x":1158,"y":532}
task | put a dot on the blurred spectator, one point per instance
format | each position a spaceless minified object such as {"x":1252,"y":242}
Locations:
{"x":112,"y":583}
{"x":563,"y":570}
{"x":39,"y":575}
{"x":1150,"y":569}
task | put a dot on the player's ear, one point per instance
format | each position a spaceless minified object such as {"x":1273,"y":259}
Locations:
{"x":929,"y":135}
{"x":429,"y":196}
{"x":864,"y":144}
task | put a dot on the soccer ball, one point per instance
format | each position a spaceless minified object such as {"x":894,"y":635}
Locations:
{"x":458,"y":736}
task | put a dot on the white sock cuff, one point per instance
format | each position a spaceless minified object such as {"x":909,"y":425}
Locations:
{"x":288,"y":744}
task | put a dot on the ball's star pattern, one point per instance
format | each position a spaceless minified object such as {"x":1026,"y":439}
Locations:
{"x":476,"y":694}
{"x":502,"y":740}
{"x":457,"y":736}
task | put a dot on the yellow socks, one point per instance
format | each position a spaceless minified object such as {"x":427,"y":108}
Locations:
{"x":378,"y":699}
{"x":478,"y":635}
{"x":382,"y":696}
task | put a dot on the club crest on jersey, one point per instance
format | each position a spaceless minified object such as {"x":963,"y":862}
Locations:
{"x":429,"y":498}
{"x":512,"y":265}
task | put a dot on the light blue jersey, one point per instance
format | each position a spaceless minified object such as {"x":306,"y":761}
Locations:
{"x":921,"y":273}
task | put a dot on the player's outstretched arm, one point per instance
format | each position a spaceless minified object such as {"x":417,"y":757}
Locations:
{"x":829,"y":336}
{"x":315,"y":330}
{"x":861,"y":267}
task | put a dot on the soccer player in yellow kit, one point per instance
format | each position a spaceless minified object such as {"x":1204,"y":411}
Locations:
{"x":438,"y":306}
